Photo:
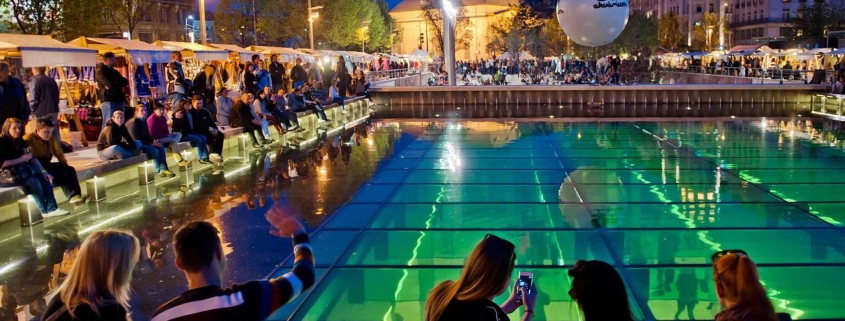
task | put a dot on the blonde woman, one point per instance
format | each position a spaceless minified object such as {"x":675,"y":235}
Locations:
{"x":97,"y":287}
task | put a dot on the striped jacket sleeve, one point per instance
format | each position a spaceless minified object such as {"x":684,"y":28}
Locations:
{"x":300,"y":278}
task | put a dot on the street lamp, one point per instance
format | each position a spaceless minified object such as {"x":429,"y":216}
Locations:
{"x":191,"y":34}
{"x":311,"y":17}
{"x":709,"y":34}
{"x":364,"y":28}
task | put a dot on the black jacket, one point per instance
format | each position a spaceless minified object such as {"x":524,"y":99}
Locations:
{"x":201,"y":87}
{"x":13,"y":101}
{"x":250,"y":82}
{"x":43,"y":96}
{"x":277,"y":72}
{"x":241,"y":114}
{"x":139,"y":131}
{"x":115,"y":135}
{"x":109,"y":312}
{"x":298,"y":74}
{"x":183,"y":125}
{"x":111,"y":78}
{"x":203,"y":121}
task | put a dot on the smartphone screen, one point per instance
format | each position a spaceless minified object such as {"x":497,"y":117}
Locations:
{"x":525,"y":281}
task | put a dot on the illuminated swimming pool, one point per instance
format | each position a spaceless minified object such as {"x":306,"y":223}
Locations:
{"x":654,"y":199}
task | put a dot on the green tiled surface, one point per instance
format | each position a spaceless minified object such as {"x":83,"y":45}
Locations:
{"x":653,"y":199}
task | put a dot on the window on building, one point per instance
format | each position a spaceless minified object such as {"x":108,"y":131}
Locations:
{"x":145,"y":37}
{"x":106,"y":16}
{"x":785,"y":31}
{"x":163,"y":15}
{"x":712,"y":8}
{"x":786,"y":14}
{"x":697,"y":9}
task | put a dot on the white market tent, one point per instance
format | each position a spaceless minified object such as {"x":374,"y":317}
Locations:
{"x":139,"y":52}
{"x":36,"y":51}
{"x":522,"y":56}
{"x":840,"y":51}
{"x":284,"y":54}
{"x":746,"y":50}
{"x":420,"y":53}
{"x":812,"y":53}
{"x":242,"y":53}
{"x":194,"y":50}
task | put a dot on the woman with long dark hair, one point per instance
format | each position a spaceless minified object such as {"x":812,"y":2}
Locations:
{"x":599,"y":291}
{"x":20,"y":168}
{"x":485,"y":276}
{"x":739,"y":289}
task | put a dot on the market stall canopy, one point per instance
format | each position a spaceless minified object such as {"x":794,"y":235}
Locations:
{"x":391,"y":57}
{"x":692,"y":55}
{"x":812,"y":53}
{"x":787,"y":52}
{"x":39,"y":51}
{"x":194,"y":50}
{"x":715,"y":54}
{"x":746,"y":48}
{"x":522,"y":56}
{"x":243,"y":53}
{"x":420,"y":53}
{"x":284,"y":54}
{"x":139,"y":52}
{"x":840,"y":51}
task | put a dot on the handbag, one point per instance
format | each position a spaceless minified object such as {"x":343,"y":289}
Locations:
{"x":16,"y":174}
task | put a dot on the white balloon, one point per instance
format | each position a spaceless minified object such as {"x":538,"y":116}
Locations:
{"x":592,"y":23}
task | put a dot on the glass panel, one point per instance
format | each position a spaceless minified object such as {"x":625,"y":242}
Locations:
{"x":477,"y":216}
{"x":389,"y":176}
{"x":373,"y":193}
{"x":688,"y":193}
{"x":328,"y":246}
{"x":486,"y":163}
{"x":492,"y":153}
{"x":475,"y":194}
{"x":486,"y":177}
{"x":352,"y":216}
{"x":703,"y":215}
{"x":451,"y":248}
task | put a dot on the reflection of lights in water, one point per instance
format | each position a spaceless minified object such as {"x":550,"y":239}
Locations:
{"x":451,"y":158}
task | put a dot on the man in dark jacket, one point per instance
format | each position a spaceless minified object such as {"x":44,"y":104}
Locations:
{"x":298,"y":74}
{"x":44,"y":97}
{"x":206,"y":125}
{"x":249,"y":80}
{"x":115,"y":141}
{"x":13,"y":103}
{"x":138,"y":129}
{"x":205,"y":85}
{"x":177,"y":86}
{"x":110,"y":86}
{"x":242,"y":117}
{"x":277,"y":73}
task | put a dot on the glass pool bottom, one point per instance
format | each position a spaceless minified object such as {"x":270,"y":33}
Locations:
{"x":653,"y":199}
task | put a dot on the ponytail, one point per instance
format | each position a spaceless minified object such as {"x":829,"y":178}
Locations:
{"x":741,"y":283}
{"x":439,"y":298}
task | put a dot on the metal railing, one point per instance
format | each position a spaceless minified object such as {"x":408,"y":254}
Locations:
{"x":391,"y":73}
{"x":760,"y":75}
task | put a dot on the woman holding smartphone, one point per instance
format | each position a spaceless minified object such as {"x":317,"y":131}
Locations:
{"x":20,"y":168}
{"x":485,"y":276}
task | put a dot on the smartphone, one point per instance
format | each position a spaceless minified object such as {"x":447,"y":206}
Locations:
{"x":526,"y":280}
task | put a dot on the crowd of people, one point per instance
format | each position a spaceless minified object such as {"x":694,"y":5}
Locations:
{"x":196,"y":111}
{"x":604,"y":71}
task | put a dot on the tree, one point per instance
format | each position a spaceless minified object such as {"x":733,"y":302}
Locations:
{"x":233,"y":22}
{"x":813,"y":21}
{"x":281,"y":21}
{"x":639,"y":33}
{"x":669,"y":31}
{"x":434,"y":21}
{"x":554,"y":41}
{"x":711,"y":25}
{"x":36,"y":17}
{"x":125,"y":14}
{"x":77,"y":20}
{"x":517,"y":31}
{"x":344,"y":23}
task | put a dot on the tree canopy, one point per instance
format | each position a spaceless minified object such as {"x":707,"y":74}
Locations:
{"x":669,"y":31}
{"x":814,"y":20}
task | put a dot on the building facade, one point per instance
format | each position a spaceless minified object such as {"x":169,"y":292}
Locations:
{"x":762,"y":21}
{"x":416,"y":35}
{"x":167,"y":20}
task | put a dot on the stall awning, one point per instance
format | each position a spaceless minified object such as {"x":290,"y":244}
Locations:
{"x":840,"y":51}
{"x":38,"y":51}
{"x":140,"y":52}
{"x":285,"y":54}
{"x":199,"y":51}
{"x":243,"y":54}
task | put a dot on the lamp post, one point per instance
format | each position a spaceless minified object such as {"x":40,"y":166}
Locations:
{"x":449,"y":15}
{"x":311,"y":17}
{"x":709,"y":34}
{"x":202,"y":23}
{"x":364,"y":27}
{"x":189,"y":33}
